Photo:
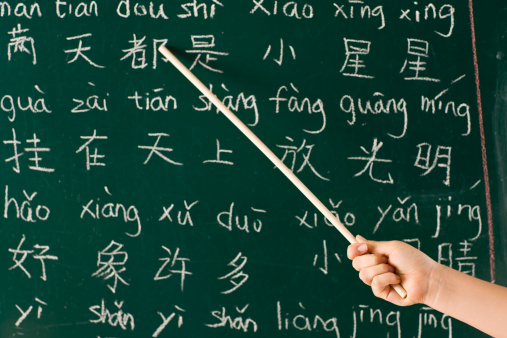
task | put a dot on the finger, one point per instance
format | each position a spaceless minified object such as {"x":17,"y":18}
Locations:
{"x":367,"y":275}
{"x":368,"y":260}
{"x":382,"y":248}
{"x":356,"y":249}
{"x":381,"y":284}
{"x":385,"y":248}
{"x":361,"y":239}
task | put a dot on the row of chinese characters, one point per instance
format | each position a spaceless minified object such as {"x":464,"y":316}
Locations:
{"x":413,"y":64}
{"x":296,"y":155}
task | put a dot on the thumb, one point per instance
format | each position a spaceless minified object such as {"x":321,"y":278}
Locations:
{"x":378,"y":247}
{"x":357,"y":249}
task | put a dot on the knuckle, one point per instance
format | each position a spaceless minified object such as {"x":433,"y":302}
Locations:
{"x":379,"y":281}
{"x":386,"y":268}
{"x":355,"y":265}
{"x":364,"y":276}
{"x":350,"y":253}
{"x":379,"y":259}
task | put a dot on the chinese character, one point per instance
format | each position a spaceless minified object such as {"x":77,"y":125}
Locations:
{"x":36,"y":150}
{"x":92,"y":159}
{"x":324,"y":268}
{"x":236,"y":274}
{"x":16,"y":155}
{"x":280,"y":57}
{"x":417,"y":49}
{"x":24,"y":253}
{"x":155,"y":149}
{"x":156,"y":44}
{"x":354,"y":49}
{"x":17,"y":43}
{"x":445,"y":256}
{"x":171,"y":269}
{"x":293,"y":150}
{"x":442,"y":160}
{"x":203,"y":45}
{"x":80,"y":49}
{"x":466,"y":264}
{"x":112,"y":262}
{"x":138,"y":53}
{"x":371,"y":159}
{"x":218,"y":159}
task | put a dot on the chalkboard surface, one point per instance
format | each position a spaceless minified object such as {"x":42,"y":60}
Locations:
{"x":131,"y":208}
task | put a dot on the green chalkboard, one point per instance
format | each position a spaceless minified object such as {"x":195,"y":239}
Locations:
{"x":132,"y":208}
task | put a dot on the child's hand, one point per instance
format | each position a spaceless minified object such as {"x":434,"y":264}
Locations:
{"x":381,"y":264}
{"x":471,"y":300}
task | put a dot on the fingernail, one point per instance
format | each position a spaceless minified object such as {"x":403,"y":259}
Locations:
{"x":362,"y":248}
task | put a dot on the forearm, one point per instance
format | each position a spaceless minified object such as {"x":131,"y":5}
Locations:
{"x":476,"y":302}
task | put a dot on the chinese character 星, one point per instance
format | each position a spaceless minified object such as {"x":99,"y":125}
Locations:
{"x":353,"y":64}
{"x":417,"y":50}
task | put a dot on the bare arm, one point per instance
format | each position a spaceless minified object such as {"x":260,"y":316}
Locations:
{"x":471,"y":300}
{"x":476,"y":302}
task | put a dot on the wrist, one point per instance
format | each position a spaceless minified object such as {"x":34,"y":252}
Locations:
{"x":436,"y":284}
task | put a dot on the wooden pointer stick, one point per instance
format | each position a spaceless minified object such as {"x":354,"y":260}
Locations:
{"x":266,"y":151}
